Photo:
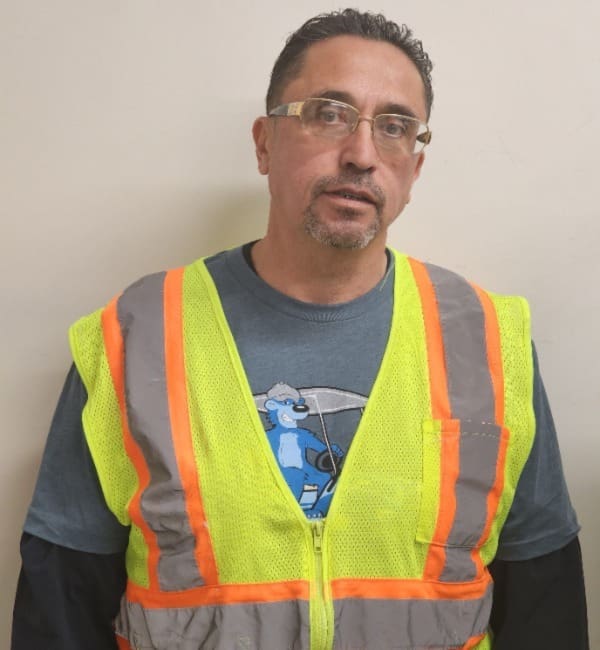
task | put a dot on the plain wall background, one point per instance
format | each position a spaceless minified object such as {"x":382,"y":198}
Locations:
{"x":125,"y":148}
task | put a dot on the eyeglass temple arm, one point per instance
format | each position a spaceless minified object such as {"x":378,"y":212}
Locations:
{"x":294,"y":108}
{"x":425,"y":138}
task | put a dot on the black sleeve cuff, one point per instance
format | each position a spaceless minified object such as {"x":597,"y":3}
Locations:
{"x":540,"y":603}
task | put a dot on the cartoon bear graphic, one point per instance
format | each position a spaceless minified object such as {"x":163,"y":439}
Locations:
{"x":311,"y":482}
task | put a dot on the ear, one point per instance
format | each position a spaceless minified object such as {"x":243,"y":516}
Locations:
{"x":261,"y":135}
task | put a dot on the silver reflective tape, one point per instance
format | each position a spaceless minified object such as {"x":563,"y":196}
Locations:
{"x":141,"y":315}
{"x":472,"y":401}
{"x":248,"y":626}
{"x":383,"y":624}
{"x":479,"y":446}
{"x":458,"y":565}
{"x":462,"y":319}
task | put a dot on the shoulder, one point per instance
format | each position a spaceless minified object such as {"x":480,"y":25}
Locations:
{"x":448,"y":281}
{"x":456,"y":298}
{"x":145,"y":288}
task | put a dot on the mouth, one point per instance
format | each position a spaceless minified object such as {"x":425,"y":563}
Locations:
{"x":353,"y":194}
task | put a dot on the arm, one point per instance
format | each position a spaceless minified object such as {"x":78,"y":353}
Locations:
{"x":539,"y":594}
{"x":66,"y":599}
{"x":540,"y":602}
{"x":72,"y":550}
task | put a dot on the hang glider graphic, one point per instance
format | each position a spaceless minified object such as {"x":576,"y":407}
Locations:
{"x":322,"y":401}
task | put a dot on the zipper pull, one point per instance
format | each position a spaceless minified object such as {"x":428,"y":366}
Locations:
{"x":318,"y":536}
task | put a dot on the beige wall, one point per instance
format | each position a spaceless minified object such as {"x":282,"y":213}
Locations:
{"x":125,"y":148}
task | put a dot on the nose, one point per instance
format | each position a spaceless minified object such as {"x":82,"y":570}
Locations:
{"x":300,"y":408}
{"x":358,"y":148}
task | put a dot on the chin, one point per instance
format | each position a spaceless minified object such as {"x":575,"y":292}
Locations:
{"x":342,"y":236}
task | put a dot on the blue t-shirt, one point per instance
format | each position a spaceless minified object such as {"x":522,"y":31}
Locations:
{"x":311,"y":368}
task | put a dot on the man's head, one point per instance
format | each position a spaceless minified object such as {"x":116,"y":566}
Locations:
{"x":343,"y":186}
{"x":349,"y":22}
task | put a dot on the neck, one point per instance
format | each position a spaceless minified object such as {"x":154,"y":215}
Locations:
{"x":318,"y":273}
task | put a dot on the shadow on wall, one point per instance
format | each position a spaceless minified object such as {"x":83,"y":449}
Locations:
{"x":227,"y":221}
{"x":176,"y":228}
{"x":152,"y":229}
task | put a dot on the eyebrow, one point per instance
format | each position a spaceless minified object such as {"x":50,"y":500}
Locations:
{"x":341,"y":96}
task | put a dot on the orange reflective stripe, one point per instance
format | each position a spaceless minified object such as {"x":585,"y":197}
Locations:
{"x":440,"y":410}
{"x":472,"y":643}
{"x":122,"y":643}
{"x":390,"y":589}
{"x":113,"y":344}
{"x":494,"y":355}
{"x":449,"y":471}
{"x":230,"y":594}
{"x":180,"y":424}
{"x":438,"y":381}
{"x":494,"y":350}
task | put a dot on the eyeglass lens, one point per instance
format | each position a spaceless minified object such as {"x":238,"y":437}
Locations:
{"x":329,"y":118}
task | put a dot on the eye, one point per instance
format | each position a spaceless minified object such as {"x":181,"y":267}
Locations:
{"x":328,"y":115}
{"x":393,"y":126}
{"x":324,"y":114}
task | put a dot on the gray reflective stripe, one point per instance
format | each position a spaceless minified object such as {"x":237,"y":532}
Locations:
{"x":248,"y":626}
{"x":479,"y":445}
{"x":462,"y":319}
{"x":140,"y":312}
{"x":382,"y":624}
{"x":472,"y":401}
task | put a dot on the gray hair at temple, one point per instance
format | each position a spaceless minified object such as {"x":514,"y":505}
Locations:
{"x":347,"y":22}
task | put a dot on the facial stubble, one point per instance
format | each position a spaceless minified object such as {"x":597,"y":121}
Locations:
{"x":335,"y":235}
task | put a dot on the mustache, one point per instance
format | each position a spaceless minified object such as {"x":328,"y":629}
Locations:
{"x":359,"y":180}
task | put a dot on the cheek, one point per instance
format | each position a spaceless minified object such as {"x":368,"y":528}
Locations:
{"x":295,"y":172}
{"x":402,"y":179}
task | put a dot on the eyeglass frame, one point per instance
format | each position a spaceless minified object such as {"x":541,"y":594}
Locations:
{"x":294,"y":109}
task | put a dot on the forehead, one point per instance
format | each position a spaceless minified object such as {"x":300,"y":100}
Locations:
{"x":373,"y":73}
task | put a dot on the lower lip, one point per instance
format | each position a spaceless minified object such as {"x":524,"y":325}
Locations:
{"x":347,"y":202}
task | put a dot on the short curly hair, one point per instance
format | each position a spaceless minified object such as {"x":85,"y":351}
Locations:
{"x":340,"y":23}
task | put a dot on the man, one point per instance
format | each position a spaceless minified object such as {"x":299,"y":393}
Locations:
{"x":409,"y":448}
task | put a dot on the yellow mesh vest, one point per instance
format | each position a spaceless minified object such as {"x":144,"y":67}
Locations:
{"x":387,"y":496}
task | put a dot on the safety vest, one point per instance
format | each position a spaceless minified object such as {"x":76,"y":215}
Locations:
{"x":221,"y":555}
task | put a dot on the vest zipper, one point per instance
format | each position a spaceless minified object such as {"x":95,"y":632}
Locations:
{"x":318,"y":618}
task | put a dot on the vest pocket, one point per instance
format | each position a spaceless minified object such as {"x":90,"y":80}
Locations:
{"x":463,"y":470}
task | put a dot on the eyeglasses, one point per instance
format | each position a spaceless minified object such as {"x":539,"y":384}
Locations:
{"x":398,"y":134}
